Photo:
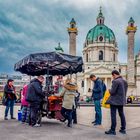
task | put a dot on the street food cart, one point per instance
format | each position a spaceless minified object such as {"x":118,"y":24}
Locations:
{"x":50,"y":63}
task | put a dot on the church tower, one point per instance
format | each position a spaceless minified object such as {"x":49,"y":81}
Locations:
{"x":72,"y":30}
{"x":130,"y":31}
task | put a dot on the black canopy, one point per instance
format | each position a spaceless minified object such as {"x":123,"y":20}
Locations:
{"x":52,"y":63}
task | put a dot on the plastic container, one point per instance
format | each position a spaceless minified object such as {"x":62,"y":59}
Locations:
{"x":19,"y":115}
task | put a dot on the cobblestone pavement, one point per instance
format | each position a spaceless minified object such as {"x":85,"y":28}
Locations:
{"x":55,"y":130}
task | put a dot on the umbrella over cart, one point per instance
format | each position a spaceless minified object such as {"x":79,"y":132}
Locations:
{"x":50,"y":63}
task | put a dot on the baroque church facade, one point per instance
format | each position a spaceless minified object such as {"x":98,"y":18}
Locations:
{"x":100,"y":56}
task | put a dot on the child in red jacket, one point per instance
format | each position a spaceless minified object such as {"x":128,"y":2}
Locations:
{"x":25,"y":105}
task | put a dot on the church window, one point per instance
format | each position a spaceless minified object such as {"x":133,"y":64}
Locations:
{"x":119,"y":70}
{"x":82,"y":84}
{"x":101,"y":38}
{"x":72,"y":25}
{"x":114,"y":57}
{"x":131,"y":25}
{"x":101,"y":28}
{"x":100,"y":55}
{"x":87,"y":57}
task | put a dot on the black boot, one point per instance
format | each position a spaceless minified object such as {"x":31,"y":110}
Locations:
{"x":110,"y":132}
{"x":69,"y":124}
{"x":13,"y":118}
{"x":122,"y":131}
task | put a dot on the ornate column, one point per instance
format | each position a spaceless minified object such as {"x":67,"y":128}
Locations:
{"x":131,"y":29}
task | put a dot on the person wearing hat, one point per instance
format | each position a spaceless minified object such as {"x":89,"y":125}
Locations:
{"x":69,"y":93}
{"x":9,"y":92}
{"x":117,"y":100}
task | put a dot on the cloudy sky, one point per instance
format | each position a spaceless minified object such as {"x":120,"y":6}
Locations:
{"x":29,"y":26}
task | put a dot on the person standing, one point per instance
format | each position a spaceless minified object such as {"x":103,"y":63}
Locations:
{"x":69,"y":93}
{"x":97,"y":95}
{"x":35,"y":97}
{"x":9,"y":92}
{"x":24,"y":105}
{"x":117,"y":100}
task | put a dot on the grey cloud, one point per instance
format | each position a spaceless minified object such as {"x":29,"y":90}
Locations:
{"x":36,"y":26}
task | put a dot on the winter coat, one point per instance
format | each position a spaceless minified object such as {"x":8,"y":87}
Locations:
{"x":23,"y":95}
{"x":69,"y":93}
{"x":34,"y":92}
{"x":68,"y":98}
{"x":9,"y":92}
{"x":118,"y":92}
{"x":97,"y":92}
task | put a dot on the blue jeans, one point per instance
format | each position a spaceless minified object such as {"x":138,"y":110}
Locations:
{"x":67,"y":114}
{"x":25,"y":114}
{"x":98,"y":112}
{"x":9,"y":104}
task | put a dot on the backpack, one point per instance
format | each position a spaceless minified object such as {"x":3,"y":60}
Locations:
{"x":28,"y":96}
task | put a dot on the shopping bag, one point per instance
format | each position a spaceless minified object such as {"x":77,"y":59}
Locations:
{"x":105,"y":98}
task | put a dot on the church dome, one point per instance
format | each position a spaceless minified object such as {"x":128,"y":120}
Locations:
{"x":100,"y":33}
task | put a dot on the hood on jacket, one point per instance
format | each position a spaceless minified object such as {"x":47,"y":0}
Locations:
{"x":71,"y":85}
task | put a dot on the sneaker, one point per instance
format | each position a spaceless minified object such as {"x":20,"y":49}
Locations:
{"x":122,"y":131}
{"x":37,"y":125}
{"x":95,"y":124}
{"x":110,"y":132}
{"x":69,"y":125}
{"x":13,"y":118}
{"x":62,"y":120}
{"x":5,"y":118}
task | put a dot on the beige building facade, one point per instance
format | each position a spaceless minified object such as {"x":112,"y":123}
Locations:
{"x":100,"y":56}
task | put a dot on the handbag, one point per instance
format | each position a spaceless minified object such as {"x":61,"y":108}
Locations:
{"x":4,"y":100}
{"x":105,"y":98}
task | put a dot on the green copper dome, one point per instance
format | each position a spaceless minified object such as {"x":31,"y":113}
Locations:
{"x":100,"y":30}
{"x":100,"y":33}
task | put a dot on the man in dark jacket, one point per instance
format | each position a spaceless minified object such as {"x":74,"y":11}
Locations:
{"x":35,"y":97}
{"x":97,"y":95}
{"x":117,"y":100}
